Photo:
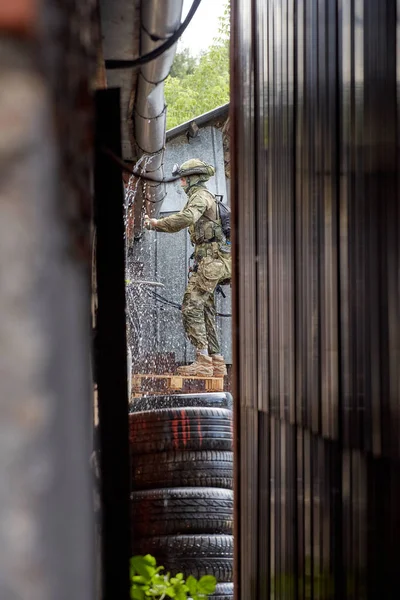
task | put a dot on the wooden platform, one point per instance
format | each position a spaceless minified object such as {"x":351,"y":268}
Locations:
{"x":173,"y":383}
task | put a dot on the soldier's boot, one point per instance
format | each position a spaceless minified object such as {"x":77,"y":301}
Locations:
{"x":219,"y":366}
{"x":202,"y":367}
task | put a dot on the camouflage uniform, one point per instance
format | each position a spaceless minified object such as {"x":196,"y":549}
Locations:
{"x":212,"y":256}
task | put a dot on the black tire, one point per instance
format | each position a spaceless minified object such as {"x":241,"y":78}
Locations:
{"x":181,"y":429}
{"x":182,"y":469}
{"x":180,"y":511}
{"x":202,"y":400}
{"x":195,"y":555}
{"x":224,"y":591}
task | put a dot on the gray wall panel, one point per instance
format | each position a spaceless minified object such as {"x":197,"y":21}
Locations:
{"x":165,"y":257}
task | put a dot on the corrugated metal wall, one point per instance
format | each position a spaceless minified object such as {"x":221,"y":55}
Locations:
{"x":316,"y":199}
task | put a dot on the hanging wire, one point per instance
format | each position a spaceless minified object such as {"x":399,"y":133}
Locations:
{"x":142,"y":60}
{"x":128,"y":169}
{"x":163,"y":300}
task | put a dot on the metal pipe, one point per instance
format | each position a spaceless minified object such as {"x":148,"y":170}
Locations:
{"x":159,"y":20}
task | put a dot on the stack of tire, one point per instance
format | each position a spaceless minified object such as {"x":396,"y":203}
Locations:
{"x":182,"y":482}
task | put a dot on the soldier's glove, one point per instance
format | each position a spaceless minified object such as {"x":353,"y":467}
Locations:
{"x":149,"y":223}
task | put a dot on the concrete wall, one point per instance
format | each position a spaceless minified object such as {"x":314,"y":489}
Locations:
{"x":165,"y":256}
{"x":46,"y":520}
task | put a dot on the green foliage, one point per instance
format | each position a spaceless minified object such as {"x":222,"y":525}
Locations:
{"x":184,"y":64}
{"x":148,"y":582}
{"x":196,"y":87}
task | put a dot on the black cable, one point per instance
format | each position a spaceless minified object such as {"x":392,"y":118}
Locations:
{"x":124,"y":167}
{"x":142,"y":60}
{"x":164,"y":300}
{"x":178,"y":306}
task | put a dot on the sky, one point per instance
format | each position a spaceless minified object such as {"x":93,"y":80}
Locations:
{"x":203,"y":28}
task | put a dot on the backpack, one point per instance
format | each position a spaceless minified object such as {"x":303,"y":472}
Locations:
{"x":225,"y":216}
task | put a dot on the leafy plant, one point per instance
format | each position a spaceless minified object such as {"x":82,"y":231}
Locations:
{"x":148,"y":582}
{"x":197,"y":85}
{"x":184,"y":64}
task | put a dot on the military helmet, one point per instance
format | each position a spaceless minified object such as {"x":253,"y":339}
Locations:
{"x":194,"y":166}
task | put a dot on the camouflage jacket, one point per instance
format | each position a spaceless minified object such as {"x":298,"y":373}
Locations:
{"x":200,"y":215}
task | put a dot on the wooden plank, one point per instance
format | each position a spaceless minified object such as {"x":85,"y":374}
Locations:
{"x":215,"y":384}
{"x":175,"y":382}
{"x":171,"y":376}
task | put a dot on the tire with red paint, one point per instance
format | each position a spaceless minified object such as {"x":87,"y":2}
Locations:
{"x":178,"y":511}
{"x":195,"y":555}
{"x":180,"y":429}
{"x":183,"y":468}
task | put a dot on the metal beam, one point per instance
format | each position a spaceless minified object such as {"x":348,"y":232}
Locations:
{"x":111,"y":367}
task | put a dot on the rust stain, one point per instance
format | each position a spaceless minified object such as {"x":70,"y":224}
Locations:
{"x":199,"y":431}
{"x":185,"y":428}
{"x":175,"y":433}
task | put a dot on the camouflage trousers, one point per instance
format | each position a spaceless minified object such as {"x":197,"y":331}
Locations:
{"x":198,"y":307}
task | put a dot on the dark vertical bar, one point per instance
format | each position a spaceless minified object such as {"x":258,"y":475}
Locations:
{"x":264,"y":506}
{"x":336,"y":488}
{"x":111,"y":364}
{"x":244,"y":302}
{"x":234,"y":108}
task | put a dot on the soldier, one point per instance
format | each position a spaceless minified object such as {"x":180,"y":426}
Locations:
{"x":212,"y":254}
